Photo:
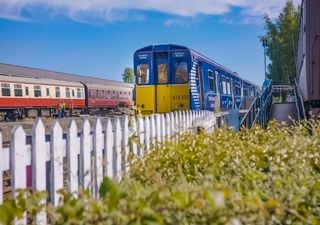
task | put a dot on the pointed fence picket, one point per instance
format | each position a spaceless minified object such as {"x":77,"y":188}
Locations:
{"x":89,"y":154}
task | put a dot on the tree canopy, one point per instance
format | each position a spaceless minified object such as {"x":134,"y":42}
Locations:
{"x":282,"y":38}
{"x":127,"y":75}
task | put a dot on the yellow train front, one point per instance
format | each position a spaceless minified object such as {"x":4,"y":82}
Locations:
{"x":173,"y":77}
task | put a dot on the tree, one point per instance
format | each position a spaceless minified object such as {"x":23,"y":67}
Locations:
{"x":127,"y":75}
{"x":282,"y":37}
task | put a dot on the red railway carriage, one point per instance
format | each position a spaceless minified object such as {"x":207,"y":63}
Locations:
{"x":20,"y":95}
{"x":107,"y":96}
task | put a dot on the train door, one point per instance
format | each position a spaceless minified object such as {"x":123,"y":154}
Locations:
{"x":200,"y":84}
{"x":161,"y":71}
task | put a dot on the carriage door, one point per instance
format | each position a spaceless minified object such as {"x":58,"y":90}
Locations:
{"x":218,"y":88}
{"x":200,"y":85}
{"x":162,"y":82}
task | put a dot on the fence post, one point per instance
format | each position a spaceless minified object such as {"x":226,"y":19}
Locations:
{"x":163,"y":127}
{"x":56,"y":153}
{"x":140,"y":134}
{"x":172,"y":122}
{"x":147,"y":133}
{"x":158,"y":128}
{"x":38,"y":163}
{"x":1,"y":169}
{"x":72,"y":157}
{"x":85,"y":155}
{"x":108,"y":148}
{"x":167,"y":126}
{"x":18,"y":154}
{"x":125,"y":144}
{"x":133,"y":136}
{"x":153,"y":129}
{"x":98,"y":156}
{"x":117,"y":147}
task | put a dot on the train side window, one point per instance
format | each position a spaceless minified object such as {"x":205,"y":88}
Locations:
{"x":37,"y":91}
{"x":78,"y":93}
{"x":58,"y":93}
{"x":17,"y":90}
{"x":218,"y":88}
{"x":211,"y":80}
{"x":228,"y":87}
{"x":5,"y":89}
{"x":143,"y":74}
{"x":73,"y":93}
{"x":181,"y":72}
{"x":68,"y":93}
{"x":27,"y":90}
{"x":48,"y":91}
{"x":224,"y":86}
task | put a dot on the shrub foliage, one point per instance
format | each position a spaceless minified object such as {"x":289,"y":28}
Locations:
{"x":256,"y":176}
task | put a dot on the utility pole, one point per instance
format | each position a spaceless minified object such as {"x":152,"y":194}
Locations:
{"x":265,"y":45}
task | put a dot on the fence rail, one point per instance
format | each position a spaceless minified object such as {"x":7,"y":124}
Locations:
{"x":71,"y":159}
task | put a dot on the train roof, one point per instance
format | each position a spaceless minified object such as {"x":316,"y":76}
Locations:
{"x":27,"y":80}
{"x":170,"y":47}
{"x":30,"y":72}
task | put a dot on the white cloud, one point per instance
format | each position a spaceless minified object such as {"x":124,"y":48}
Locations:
{"x":113,"y":10}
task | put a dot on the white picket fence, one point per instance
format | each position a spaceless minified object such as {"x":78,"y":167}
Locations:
{"x":90,"y":154}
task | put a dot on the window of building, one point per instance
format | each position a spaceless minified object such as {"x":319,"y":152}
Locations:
{"x":181,"y":72}
{"x":78,"y":93}
{"x":143,"y":74}
{"x":27,"y":90}
{"x":48,"y":91}
{"x":5,"y":89}
{"x":68,"y":94}
{"x":37,"y":91}
{"x":211,"y":80}
{"x":58,"y":93}
{"x":73,"y":94}
{"x":17,"y":90}
{"x":162,"y":73}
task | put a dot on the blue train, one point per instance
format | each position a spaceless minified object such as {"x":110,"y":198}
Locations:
{"x":172,"y":77}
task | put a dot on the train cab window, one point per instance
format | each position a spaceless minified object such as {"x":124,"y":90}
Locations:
{"x":211,"y":80}
{"x":72,"y":92}
{"x":181,"y":72}
{"x":68,"y":95}
{"x":48,"y":91}
{"x":37,"y":91}
{"x":17,"y":90}
{"x":162,"y":73}
{"x":78,"y":93}
{"x":58,"y":93}
{"x":26,"y":91}
{"x":5,"y":89}
{"x":143,"y":74}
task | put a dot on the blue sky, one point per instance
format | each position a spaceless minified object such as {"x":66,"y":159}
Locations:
{"x":99,"y":37}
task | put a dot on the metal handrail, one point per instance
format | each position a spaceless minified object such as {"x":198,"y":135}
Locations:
{"x":299,"y":101}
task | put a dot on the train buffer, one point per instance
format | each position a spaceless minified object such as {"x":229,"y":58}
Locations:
{"x":280,"y":102}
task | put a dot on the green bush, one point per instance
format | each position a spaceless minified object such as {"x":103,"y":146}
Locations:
{"x":254,"y":176}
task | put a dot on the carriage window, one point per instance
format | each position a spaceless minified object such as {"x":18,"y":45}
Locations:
{"x":37,"y":91}
{"x":48,"y":91}
{"x":78,"y":93}
{"x":143,"y":74}
{"x":237,"y":90}
{"x":68,"y":92}
{"x":73,"y":93}
{"x":211,"y":83}
{"x":162,"y":73}
{"x":181,"y":72}
{"x":17,"y":89}
{"x":27,"y":91}
{"x":58,"y":94}
{"x":5,"y":89}
{"x":224,"y":86}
